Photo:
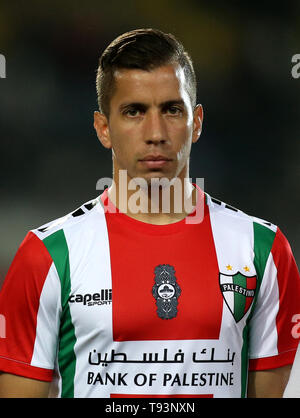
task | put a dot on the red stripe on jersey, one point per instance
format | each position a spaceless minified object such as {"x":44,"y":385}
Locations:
{"x":136,"y":249}
{"x":25,"y":370}
{"x":119,"y":395}
{"x":288,"y":280}
{"x":273,"y":362}
{"x":19,"y":303}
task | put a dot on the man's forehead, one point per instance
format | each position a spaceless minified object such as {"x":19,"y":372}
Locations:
{"x":165,"y":71}
{"x":161,"y":79}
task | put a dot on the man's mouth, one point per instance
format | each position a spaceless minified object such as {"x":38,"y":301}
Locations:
{"x":155,"y":161}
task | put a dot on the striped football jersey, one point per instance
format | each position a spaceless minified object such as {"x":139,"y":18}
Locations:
{"x":104,"y":305}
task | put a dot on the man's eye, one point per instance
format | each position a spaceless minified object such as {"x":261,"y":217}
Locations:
{"x":132,"y":112}
{"x":173,"y":110}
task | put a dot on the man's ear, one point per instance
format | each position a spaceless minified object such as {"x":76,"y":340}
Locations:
{"x":198,"y":121}
{"x":102,"y":129}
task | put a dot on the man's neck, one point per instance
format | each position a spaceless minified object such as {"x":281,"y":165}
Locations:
{"x":155,"y":204}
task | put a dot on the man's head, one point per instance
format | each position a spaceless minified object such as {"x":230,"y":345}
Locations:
{"x":147,"y":98}
{"x":144,"y":49}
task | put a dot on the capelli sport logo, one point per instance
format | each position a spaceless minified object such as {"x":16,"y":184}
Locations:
{"x":104,"y":297}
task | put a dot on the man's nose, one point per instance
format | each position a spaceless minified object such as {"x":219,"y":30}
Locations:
{"x":155,"y":128}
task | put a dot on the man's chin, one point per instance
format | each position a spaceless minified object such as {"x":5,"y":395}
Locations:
{"x":158,"y":178}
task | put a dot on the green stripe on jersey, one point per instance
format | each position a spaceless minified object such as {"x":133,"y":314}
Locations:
{"x":57,"y":246}
{"x":244,"y":361}
{"x":263,"y":241}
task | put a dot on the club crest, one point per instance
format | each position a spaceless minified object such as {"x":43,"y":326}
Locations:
{"x":238,"y":292}
{"x":166,"y":291}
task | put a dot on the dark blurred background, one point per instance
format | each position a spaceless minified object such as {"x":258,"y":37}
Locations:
{"x":51,"y":159}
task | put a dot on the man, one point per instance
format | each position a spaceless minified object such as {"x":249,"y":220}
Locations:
{"x":111,"y":301}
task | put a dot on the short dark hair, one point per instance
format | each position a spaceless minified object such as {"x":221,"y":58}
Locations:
{"x":144,"y":49}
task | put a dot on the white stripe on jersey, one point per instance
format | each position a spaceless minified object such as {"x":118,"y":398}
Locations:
{"x":263,"y":323}
{"x":89,"y":241}
{"x":48,"y":320}
{"x":237,"y":232}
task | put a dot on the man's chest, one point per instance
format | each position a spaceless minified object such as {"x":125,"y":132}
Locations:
{"x":158,"y":288}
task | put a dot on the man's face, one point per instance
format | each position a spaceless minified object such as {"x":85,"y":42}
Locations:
{"x":151,"y":125}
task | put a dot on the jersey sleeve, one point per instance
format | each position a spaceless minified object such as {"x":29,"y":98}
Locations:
{"x":271,"y":340}
{"x":30,"y":311}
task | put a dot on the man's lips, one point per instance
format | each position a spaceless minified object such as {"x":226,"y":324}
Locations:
{"x":155,"y":157}
{"x":155,"y":161}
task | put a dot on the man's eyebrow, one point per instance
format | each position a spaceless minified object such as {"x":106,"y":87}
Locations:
{"x":169,"y":103}
{"x":144,"y":106}
{"x":135,"y":105}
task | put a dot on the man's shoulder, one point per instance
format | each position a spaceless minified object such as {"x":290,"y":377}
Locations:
{"x":234,"y":216}
{"x":72,"y":220}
